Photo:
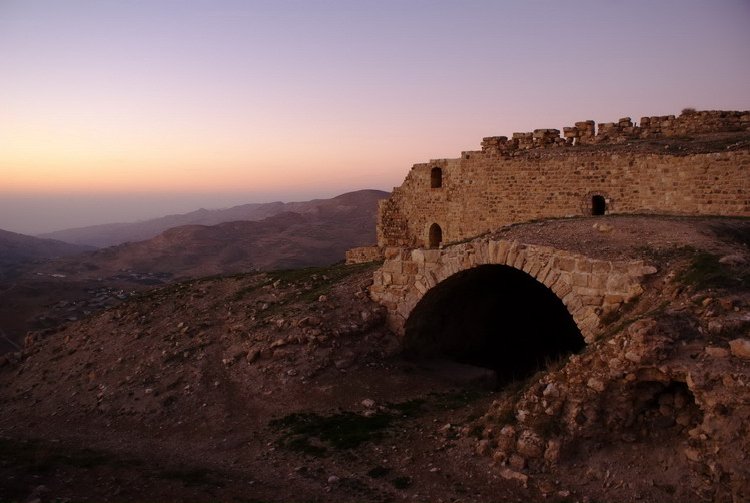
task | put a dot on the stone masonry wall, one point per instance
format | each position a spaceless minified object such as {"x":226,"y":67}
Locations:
{"x":484,"y":190}
{"x":589,"y":288}
{"x":690,"y":122}
{"x":364,"y":254}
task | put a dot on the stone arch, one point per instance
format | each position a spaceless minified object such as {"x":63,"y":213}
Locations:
{"x":492,"y":316}
{"x":588,"y":288}
{"x":436,"y":178}
{"x":435,"y":236}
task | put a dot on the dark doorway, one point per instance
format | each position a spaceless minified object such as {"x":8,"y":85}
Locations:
{"x":436,"y":236}
{"x":492,"y":316}
{"x":598,"y":205}
{"x":436,"y":178}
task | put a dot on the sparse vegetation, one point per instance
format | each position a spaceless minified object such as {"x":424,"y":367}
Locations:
{"x":319,"y":278}
{"x":192,"y":477}
{"x":304,"y":432}
{"x":378,"y":472}
{"x":313,"y":434}
{"x":401,"y":482}
{"x":37,"y":457}
{"x":705,"y":271}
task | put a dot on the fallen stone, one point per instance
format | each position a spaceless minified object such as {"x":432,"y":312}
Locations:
{"x":368,"y":403}
{"x":732,"y":260}
{"x":483,"y":447}
{"x":692,"y":454}
{"x":715,"y":327}
{"x":632,"y":356}
{"x":551,"y":390}
{"x":602,"y":227}
{"x":552,"y":452}
{"x":517,"y":462}
{"x":342,"y":364}
{"x":509,"y":474}
{"x":530,"y":445}
{"x":726,"y":303}
{"x":716,"y":352}
{"x":312,"y":321}
{"x":596,"y":384}
{"x":507,"y":438}
{"x":740,"y":348}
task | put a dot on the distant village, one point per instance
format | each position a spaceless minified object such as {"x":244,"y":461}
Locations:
{"x":104,"y":297}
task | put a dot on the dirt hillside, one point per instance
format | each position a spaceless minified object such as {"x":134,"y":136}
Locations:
{"x":287,"y":386}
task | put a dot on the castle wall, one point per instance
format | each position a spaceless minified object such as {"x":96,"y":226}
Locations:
{"x":484,"y":190}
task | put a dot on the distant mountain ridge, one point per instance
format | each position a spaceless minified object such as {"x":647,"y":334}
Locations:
{"x":318,"y":234}
{"x":104,"y":235}
{"x":18,"y":248}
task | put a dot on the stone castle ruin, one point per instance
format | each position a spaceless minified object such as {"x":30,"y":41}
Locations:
{"x":437,"y":224}
{"x":544,"y":175}
{"x":457,"y":288}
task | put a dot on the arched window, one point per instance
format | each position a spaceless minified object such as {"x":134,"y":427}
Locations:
{"x":436,"y":178}
{"x":598,"y":205}
{"x":436,"y":236}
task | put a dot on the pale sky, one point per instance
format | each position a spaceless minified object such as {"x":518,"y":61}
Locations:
{"x":118,"y":110}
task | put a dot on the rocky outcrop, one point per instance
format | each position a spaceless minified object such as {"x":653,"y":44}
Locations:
{"x":665,"y":380}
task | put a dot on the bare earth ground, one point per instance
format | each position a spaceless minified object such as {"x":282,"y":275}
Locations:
{"x":288,"y":387}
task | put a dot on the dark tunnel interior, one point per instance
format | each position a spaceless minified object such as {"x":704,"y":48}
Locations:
{"x":492,"y":316}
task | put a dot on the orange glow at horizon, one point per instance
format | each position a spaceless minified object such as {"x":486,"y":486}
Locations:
{"x":51,"y":159}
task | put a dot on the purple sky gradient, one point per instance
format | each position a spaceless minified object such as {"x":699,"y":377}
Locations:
{"x":121,"y":110}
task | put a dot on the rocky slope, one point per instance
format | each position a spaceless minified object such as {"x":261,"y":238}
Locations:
{"x":269,"y":386}
{"x":42,"y":295}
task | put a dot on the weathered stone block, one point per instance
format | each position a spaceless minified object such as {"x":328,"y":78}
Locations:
{"x":431,"y":256}
{"x":401,"y":279}
{"x":520,"y":259}
{"x":592,"y":300}
{"x":573,"y":302}
{"x":583,"y":265}
{"x":561,"y":288}
{"x":613,"y":299}
{"x":532,"y":267}
{"x":410,"y":268}
{"x":393,"y":252}
{"x":598,"y":281}
{"x":417,"y":255}
{"x":393,"y":266}
{"x":512,"y":253}
{"x":601,"y":267}
{"x":617,"y":283}
{"x":580,"y":279}
{"x":565,"y":263}
{"x":551,"y":278}
{"x":503,"y":247}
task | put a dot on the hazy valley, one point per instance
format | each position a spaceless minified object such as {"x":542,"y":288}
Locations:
{"x":47,"y":282}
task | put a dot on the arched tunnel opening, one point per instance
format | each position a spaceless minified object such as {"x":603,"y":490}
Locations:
{"x":492,"y":316}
